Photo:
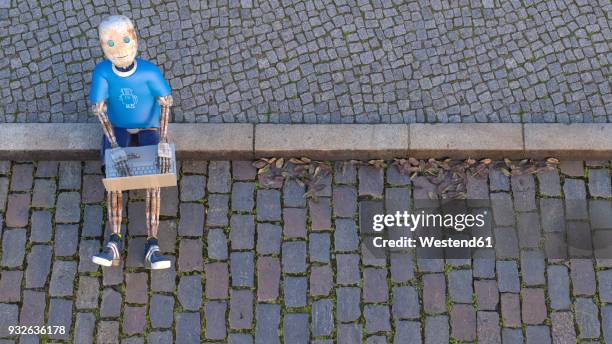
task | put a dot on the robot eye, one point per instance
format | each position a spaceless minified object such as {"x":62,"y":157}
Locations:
{"x":126,"y":40}
{"x":110,"y":43}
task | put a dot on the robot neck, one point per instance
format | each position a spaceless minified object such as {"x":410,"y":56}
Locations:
{"x":125,"y":69}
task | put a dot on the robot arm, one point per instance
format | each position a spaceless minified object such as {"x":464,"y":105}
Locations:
{"x":117,"y":154}
{"x":163,"y":151}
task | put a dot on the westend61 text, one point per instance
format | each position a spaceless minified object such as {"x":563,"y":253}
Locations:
{"x":432,"y":242}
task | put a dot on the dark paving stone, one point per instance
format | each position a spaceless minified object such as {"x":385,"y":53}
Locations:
{"x":348,"y":304}
{"x":164,"y":280}
{"x":240,"y":338}
{"x":134,"y":320}
{"x":135,"y":252}
{"x":93,"y":189}
{"x":320,"y":214}
{"x":91,"y":167}
{"x":160,"y":337}
{"x":217,"y":280}
{"x":528,"y":225}
{"x":194,"y":166}
{"x":575,"y":196}
{"x":460,"y":286}
{"x":488,"y":327}
{"x":46,"y":169}
{"x":10,"y":286}
{"x":190,"y":292}
{"x":321,"y":280}
{"x":410,"y":330}
{"x":506,"y":242}
{"x":503,"y":213}
{"x":242,"y":269}
{"x":111,"y":303}
{"x":537,"y":335}
{"x":70,"y":175}
{"x":190,"y":255}
{"x":322,"y":317}
{"x":487,"y":295}
{"x":346,"y":237}
{"x":243,"y":198}
{"x":66,"y":240}
{"x":217,"y":244}
{"x":293,"y":194}
{"x":108,"y":332}
{"x":87,"y":293}
{"x":32,"y":308}
{"x":512,"y":336}
{"x":10,"y":314}
{"x":532,"y":268}
{"x":41,"y":229}
{"x":551,"y":212}
{"x":587,"y":318}
{"x":13,"y":247}
{"x":85,"y":324}
{"x":349,"y":333}
{"x":243,"y":170}
{"x":62,"y":278}
{"x":60,"y":314}
{"x":68,"y":208}
{"x":599,"y":183}
{"x":191,"y":222}
{"x":187,"y":328}
{"x":371,"y":181}
{"x":267,"y":322}
{"x":219,"y":178}
{"x":508,"y":278}
{"x":402,"y":267}
{"x":294,"y":222}
{"x":583,"y":277}
{"x":294,"y":257}
{"x":375,"y":287}
{"x":268,"y":238}
{"x":394,"y":177}
{"x":347,"y":269}
{"x":533,"y":306}
{"x":345,"y":201}
{"x":241,"y":309}
{"x":136,"y":287}
{"x":39,"y":264}
{"x":193,"y":188}
{"x":563,"y":327}
{"x":161,"y":311}
{"x":167,"y":235}
{"x":43,"y":195}
{"x":170,"y":201}
{"x":214,"y":312}
{"x":550,"y":183}
{"x":434,"y":293}
{"x":218,"y":207}
{"x":572,"y":168}
{"x":436,"y":330}
{"x":405,"y":303}
{"x":294,"y":291}
{"x":268,"y":278}
{"x":498,"y":181}
{"x":295,"y":328}
{"x":17,"y":210}
{"x":22,"y":177}
{"x":268,"y":205}
{"x":483,"y":264}
{"x":92,"y":221}
{"x":600,"y":214}
{"x":346,"y":172}
{"x":463,"y":322}
{"x":511,"y":309}
{"x":4,"y":188}
{"x":136,"y":219}
{"x":559,"y":287}
{"x":319,"y":247}
{"x":242,"y":235}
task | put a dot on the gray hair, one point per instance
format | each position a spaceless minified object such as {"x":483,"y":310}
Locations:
{"x":116,"y":20}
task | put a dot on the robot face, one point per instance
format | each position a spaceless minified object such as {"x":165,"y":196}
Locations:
{"x":118,"y":40}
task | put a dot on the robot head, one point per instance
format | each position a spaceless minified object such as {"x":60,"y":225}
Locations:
{"x":118,"y":40}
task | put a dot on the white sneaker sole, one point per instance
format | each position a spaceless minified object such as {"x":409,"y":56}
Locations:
{"x":161,"y":265}
{"x":100,"y":261}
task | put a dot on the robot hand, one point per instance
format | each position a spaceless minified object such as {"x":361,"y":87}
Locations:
{"x":120,"y":158}
{"x":164,"y":157}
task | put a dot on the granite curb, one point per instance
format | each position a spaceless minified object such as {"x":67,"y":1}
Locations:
{"x":78,"y":141}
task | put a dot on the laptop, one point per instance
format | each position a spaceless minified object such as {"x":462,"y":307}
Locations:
{"x":144,"y":172}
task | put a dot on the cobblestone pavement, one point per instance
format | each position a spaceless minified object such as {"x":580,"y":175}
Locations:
{"x":259,"y":263}
{"x":324,"y":61}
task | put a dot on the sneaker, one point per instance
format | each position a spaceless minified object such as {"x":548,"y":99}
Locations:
{"x":153,"y":258}
{"x":111,"y":255}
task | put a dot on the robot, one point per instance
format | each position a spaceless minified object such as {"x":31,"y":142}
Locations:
{"x":132,"y":100}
